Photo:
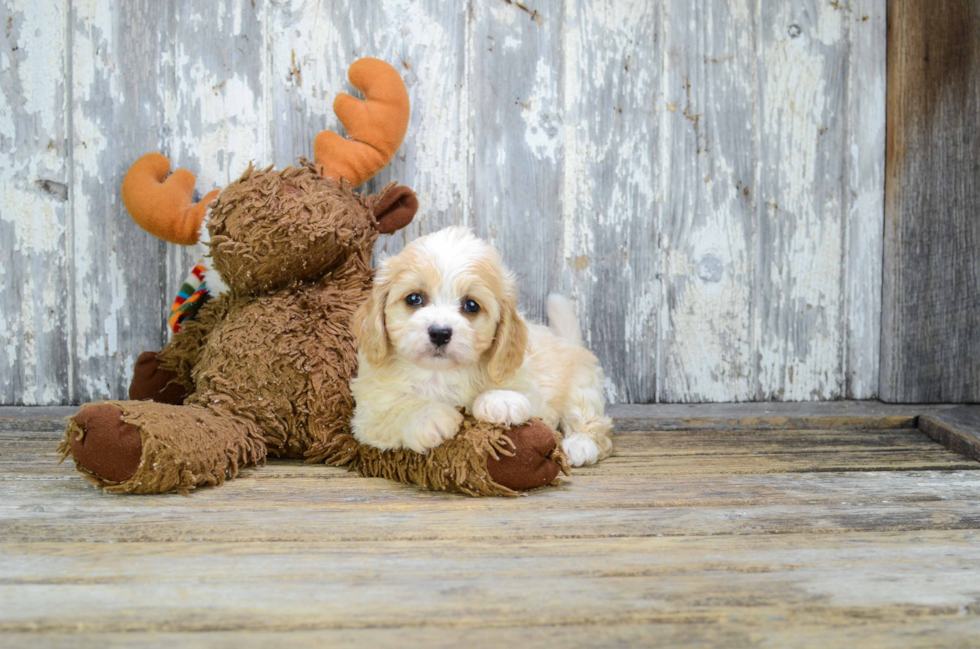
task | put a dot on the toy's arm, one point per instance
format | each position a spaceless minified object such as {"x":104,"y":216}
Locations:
{"x":167,"y":376}
{"x":153,"y":383}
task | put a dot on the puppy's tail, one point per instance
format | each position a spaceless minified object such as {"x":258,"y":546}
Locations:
{"x":562,"y":319}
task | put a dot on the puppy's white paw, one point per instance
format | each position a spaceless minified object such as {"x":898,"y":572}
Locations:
{"x":430,"y":427}
{"x":502,"y":407}
{"x":580,"y":449}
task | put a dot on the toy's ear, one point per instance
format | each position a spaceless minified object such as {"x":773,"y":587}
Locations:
{"x":395,"y":209}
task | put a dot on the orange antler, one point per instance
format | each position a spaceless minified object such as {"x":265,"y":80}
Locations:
{"x":375,"y":127}
{"x":164,"y":206}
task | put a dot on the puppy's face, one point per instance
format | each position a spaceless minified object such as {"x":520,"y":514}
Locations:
{"x":444,"y":302}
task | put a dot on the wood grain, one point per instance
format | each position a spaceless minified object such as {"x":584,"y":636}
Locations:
{"x":931,"y":282}
{"x":138,"y":586}
{"x":217,"y":105}
{"x":311,"y":45}
{"x":516,"y":83}
{"x":773,"y":195}
{"x":860,"y":411}
{"x":957,"y":429}
{"x":119,"y":84}
{"x":711,"y":155}
{"x":35,"y":219}
{"x":803,"y":48}
{"x":702,"y":178}
{"x":864,"y":199}
{"x":670,"y":483}
{"x":611,"y":200}
{"x":708,"y":537}
{"x":894,"y":628}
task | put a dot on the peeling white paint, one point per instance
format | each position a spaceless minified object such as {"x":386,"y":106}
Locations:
{"x":542,"y":129}
{"x":799,"y":345}
{"x":40,"y":95}
{"x":865,"y":104}
{"x":92,"y":73}
{"x":37,"y":221}
{"x":231,"y":133}
{"x":324,"y":42}
{"x":607,"y":149}
{"x":610,"y":187}
{"x":33,"y":214}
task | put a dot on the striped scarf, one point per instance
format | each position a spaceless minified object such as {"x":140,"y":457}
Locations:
{"x":192,"y":296}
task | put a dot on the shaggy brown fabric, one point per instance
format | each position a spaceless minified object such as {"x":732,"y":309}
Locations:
{"x":264,"y":236}
{"x":460,"y":464}
{"x":183,"y":447}
{"x":152,"y":383}
{"x":180,"y":355}
{"x":267,"y":366}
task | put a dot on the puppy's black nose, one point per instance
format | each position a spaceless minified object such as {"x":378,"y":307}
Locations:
{"x":440,"y":335}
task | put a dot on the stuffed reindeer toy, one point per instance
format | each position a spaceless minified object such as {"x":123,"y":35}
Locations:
{"x":263,"y":369}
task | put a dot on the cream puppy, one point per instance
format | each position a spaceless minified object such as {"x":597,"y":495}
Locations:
{"x":441,"y":331}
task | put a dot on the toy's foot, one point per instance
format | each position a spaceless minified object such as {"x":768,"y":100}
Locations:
{"x":532,"y":464}
{"x":145,"y":447}
{"x":154,"y":384}
{"x":108,"y":447}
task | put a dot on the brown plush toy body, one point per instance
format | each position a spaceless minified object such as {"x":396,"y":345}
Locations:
{"x":264,"y":368}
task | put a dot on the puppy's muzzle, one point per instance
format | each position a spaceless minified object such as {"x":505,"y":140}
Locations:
{"x":440,"y":336}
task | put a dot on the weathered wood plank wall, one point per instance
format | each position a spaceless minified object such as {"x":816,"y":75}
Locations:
{"x":704,"y":178}
{"x":35,"y":220}
{"x":931,"y":301}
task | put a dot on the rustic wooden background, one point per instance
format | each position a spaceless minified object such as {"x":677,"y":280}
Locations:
{"x":704,"y":177}
{"x":931,"y":287}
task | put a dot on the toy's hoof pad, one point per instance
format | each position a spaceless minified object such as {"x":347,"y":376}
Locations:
{"x":110,"y":448}
{"x":530,"y":466}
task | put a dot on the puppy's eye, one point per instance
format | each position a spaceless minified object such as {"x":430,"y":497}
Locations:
{"x":414,"y":300}
{"x":470,"y":306}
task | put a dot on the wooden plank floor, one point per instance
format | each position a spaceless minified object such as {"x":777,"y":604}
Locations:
{"x":827,"y":524}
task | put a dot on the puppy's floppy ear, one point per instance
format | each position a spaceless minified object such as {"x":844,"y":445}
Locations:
{"x":368,"y":323}
{"x":509,"y":343}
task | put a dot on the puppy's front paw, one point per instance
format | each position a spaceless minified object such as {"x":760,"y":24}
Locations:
{"x":430,"y":427}
{"x":580,"y":449}
{"x":502,"y":407}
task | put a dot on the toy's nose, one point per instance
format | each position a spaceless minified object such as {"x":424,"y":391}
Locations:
{"x":440,"y":336}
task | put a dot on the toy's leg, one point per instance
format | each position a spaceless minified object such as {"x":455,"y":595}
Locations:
{"x":482,"y":460}
{"x":153,"y":383}
{"x":145,"y":447}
